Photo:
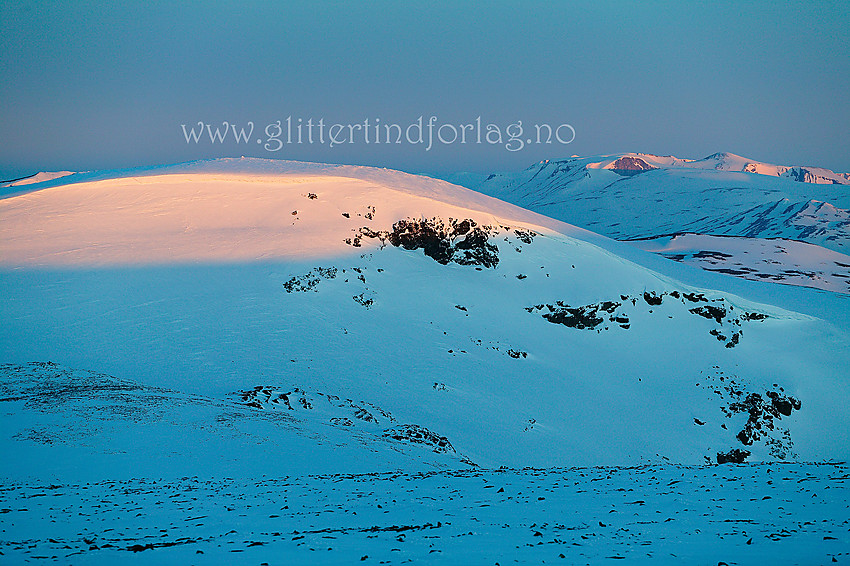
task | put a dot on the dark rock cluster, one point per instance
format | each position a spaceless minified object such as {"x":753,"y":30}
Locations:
{"x":762,"y":413}
{"x":309,"y":280}
{"x":361,"y":299}
{"x":525,"y":236}
{"x":270,"y":398}
{"x":734,"y":456}
{"x":586,"y":317}
{"x":592,"y":316}
{"x":762,"y":410}
{"x":710,"y":312}
{"x":420,"y":435}
{"x":458,"y":241}
{"x":346,"y":413}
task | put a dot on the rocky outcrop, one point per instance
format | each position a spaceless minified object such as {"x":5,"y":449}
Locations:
{"x":629,"y":166}
{"x":734,"y":456}
{"x":762,"y":413}
{"x":763,"y":407}
{"x":360,"y":417}
{"x":458,"y":241}
{"x":817,"y":175}
{"x":420,"y":435}
{"x":583,"y":317}
{"x":296,"y":399}
{"x":309,"y":280}
{"x":595,"y":316}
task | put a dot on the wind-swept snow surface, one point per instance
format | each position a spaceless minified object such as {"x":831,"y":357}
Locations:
{"x":767,"y":513}
{"x":242,"y":318}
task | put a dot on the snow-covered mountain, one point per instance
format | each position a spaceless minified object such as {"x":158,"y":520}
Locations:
{"x":640,"y":196}
{"x":465,"y":318}
{"x":289,"y":324}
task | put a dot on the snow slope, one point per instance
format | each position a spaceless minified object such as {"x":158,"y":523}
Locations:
{"x":785,"y":261}
{"x":517,"y":339}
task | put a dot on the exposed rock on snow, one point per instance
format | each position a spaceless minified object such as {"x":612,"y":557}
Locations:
{"x":271,"y":398}
{"x":628,"y":166}
{"x":762,"y":413}
{"x":593,"y":316}
{"x":456,"y":241}
{"x":344,"y":412}
{"x":310,"y":280}
{"x":734,"y":456}
{"x":420,"y":435}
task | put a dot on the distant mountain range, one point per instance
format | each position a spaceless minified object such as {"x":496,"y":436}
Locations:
{"x":633,"y":163}
{"x":637,"y":196}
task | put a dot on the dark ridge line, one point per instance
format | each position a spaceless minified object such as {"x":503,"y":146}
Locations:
{"x":19,"y":178}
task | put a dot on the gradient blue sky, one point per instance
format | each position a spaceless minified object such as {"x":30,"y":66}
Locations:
{"x":106,"y":85}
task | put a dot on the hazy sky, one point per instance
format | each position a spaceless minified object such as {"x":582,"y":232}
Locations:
{"x":108,"y":85}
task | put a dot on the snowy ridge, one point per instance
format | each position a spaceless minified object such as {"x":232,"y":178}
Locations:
{"x":175,"y":213}
{"x":36,"y":178}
